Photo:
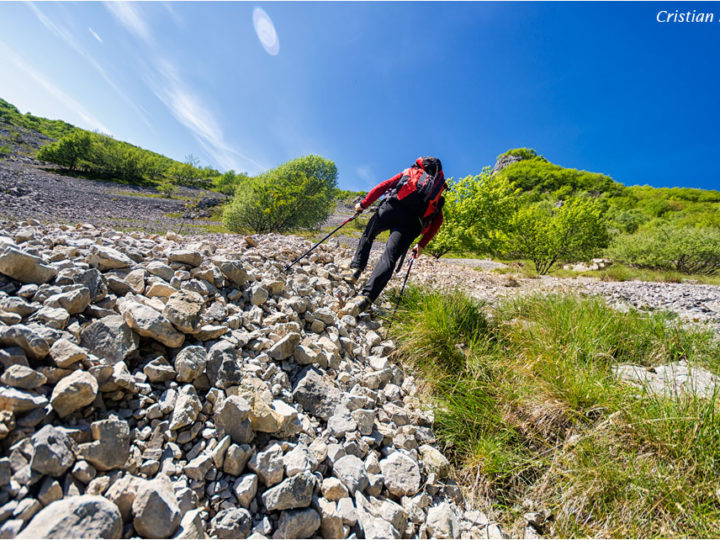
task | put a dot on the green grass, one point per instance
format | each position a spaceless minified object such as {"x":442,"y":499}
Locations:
{"x":527,"y":407}
{"x":146,"y":195}
{"x":621,"y":272}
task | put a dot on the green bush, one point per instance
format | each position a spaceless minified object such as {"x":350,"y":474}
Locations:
{"x":477,"y":215}
{"x":297,"y":194}
{"x":546,"y":235}
{"x":691,"y":250}
{"x":4,"y":151}
{"x":68,"y":151}
{"x":229,"y":182}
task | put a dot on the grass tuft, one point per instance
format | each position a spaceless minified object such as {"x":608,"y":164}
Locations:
{"x":527,"y":406}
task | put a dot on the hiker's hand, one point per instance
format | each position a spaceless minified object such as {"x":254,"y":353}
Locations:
{"x":417,"y":250}
{"x":359,"y":208}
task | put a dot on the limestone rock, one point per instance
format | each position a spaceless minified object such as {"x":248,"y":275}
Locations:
{"x":34,"y":345}
{"x":24,"y":267}
{"x":190,"y":363}
{"x":20,"y":401}
{"x":297,"y":524}
{"x":65,"y":353}
{"x":316,"y":393}
{"x":268,"y":465}
{"x":293,"y":492}
{"x":284,"y":348}
{"x":186,"y":256}
{"x":232,"y":523}
{"x":245,"y":489}
{"x":150,"y":323}
{"x":109,"y":338}
{"x":155,"y":508}
{"x":231,"y":418}
{"x":111,"y":447}
{"x":401,"y":474}
{"x":442,"y":521}
{"x":183,"y":310}
{"x":82,"y":516}
{"x":23,"y":377}
{"x":51,"y":452}
{"x":74,"y":392}
{"x":187,"y":407}
{"x":351,"y":472}
{"x":236,"y":457}
{"x":107,"y":258}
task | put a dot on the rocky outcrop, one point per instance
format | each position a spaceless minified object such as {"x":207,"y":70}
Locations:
{"x":186,"y":387}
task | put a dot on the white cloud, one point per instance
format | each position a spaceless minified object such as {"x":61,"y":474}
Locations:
{"x":265,"y":30}
{"x":365,"y":173}
{"x":190,"y":111}
{"x":68,"y":37}
{"x":127,"y":15}
{"x":95,"y":34}
{"x":10,"y":57}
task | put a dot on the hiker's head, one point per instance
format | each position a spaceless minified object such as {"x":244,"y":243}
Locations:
{"x":430,"y":165}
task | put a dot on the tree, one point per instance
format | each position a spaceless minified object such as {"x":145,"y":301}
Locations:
{"x":68,"y":150}
{"x":297,"y":194}
{"x":477,"y":215}
{"x":546,"y":234}
{"x":229,"y":182}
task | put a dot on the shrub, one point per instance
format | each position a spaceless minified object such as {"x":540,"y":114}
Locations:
{"x":229,"y":182}
{"x":477,"y":215}
{"x":4,"y":151}
{"x":67,"y":151}
{"x":545,"y":234}
{"x":297,"y":194}
{"x":692,"y":250}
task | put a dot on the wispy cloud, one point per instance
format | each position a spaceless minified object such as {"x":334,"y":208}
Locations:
{"x":129,"y":16}
{"x":174,"y":15}
{"x":190,"y":110}
{"x":95,"y":34}
{"x":265,"y":30}
{"x":365,"y":173}
{"x":11,"y":57}
{"x":69,"y":38}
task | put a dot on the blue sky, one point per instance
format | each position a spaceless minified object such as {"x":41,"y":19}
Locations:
{"x":596,"y":86}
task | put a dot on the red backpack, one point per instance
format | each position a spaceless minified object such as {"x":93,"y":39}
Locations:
{"x":421,"y":187}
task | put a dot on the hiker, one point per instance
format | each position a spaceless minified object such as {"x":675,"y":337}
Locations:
{"x":412,"y":205}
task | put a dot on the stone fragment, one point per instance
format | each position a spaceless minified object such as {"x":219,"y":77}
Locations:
{"x":236,"y":458}
{"x":24,"y":267}
{"x":234,"y":271}
{"x":93,"y":280}
{"x":268,"y":465}
{"x":190,"y":363}
{"x":74,"y":392}
{"x":293,"y":492}
{"x":83,"y":516}
{"x":65,"y":353}
{"x":232,"y":523}
{"x":107,"y":258}
{"x":316,"y":393}
{"x":187,"y":408}
{"x":83,"y":471}
{"x":122,"y":492}
{"x":53,"y":317}
{"x":285,"y":348}
{"x":159,"y":370}
{"x":22,"y":377}
{"x":341,"y":422}
{"x":297,"y":524}
{"x":51,"y":452}
{"x":191,"y":525}
{"x":161,"y":270}
{"x":223,"y":367}
{"x":111,"y":447}
{"x":34,"y":345}
{"x":186,"y":256}
{"x":73,"y":302}
{"x":442,"y":522}
{"x":298,"y":460}
{"x":245,"y":489}
{"x":155,"y":508}
{"x":434,"y":462}
{"x":198,"y":467}
{"x":183,"y":309}
{"x":350,"y":470}
{"x":50,"y":491}
{"x":331,"y":522}
{"x":333,"y":489}
{"x":401,"y":474}
{"x":231,"y":418}
{"x":109,"y":338}
{"x":150,"y":323}
{"x":20,"y":401}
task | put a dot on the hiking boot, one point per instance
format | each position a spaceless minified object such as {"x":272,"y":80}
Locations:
{"x":351,"y":275}
{"x":355,"y":306}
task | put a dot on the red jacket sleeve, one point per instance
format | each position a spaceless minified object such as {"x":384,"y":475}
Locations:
{"x":379,"y":190}
{"x":431,"y":230}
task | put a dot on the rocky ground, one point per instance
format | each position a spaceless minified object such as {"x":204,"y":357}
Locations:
{"x":162,"y":386}
{"x":28,"y":191}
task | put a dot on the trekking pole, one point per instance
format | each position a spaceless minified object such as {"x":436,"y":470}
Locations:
{"x":348,"y":220}
{"x":402,"y":290}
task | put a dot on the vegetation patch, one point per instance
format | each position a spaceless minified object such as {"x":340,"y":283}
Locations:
{"x":529,"y":408}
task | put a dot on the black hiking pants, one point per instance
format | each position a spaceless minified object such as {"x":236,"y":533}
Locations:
{"x":404,"y":227}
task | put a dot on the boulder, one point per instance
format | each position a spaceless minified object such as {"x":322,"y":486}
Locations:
{"x":268,"y":465}
{"x":231,"y":418}
{"x":24,"y":267}
{"x":155,"y":508}
{"x":293,"y":492}
{"x":401,"y":474}
{"x":350,"y":470}
{"x":316,"y":392}
{"x":34,"y":345}
{"x":107,"y":258}
{"x":442,"y":522}
{"x":110,"y":338}
{"x":190,"y":363}
{"x":23,"y":377}
{"x":232,"y":523}
{"x":51,"y":452}
{"x":298,"y":524}
{"x":111,"y":447}
{"x":20,"y":401}
{"x":74,"y":392}
{"x":82,"y":516}
{"x":187,"y":407}
{"x":65,"y":353}
{"x":150,"y":323}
